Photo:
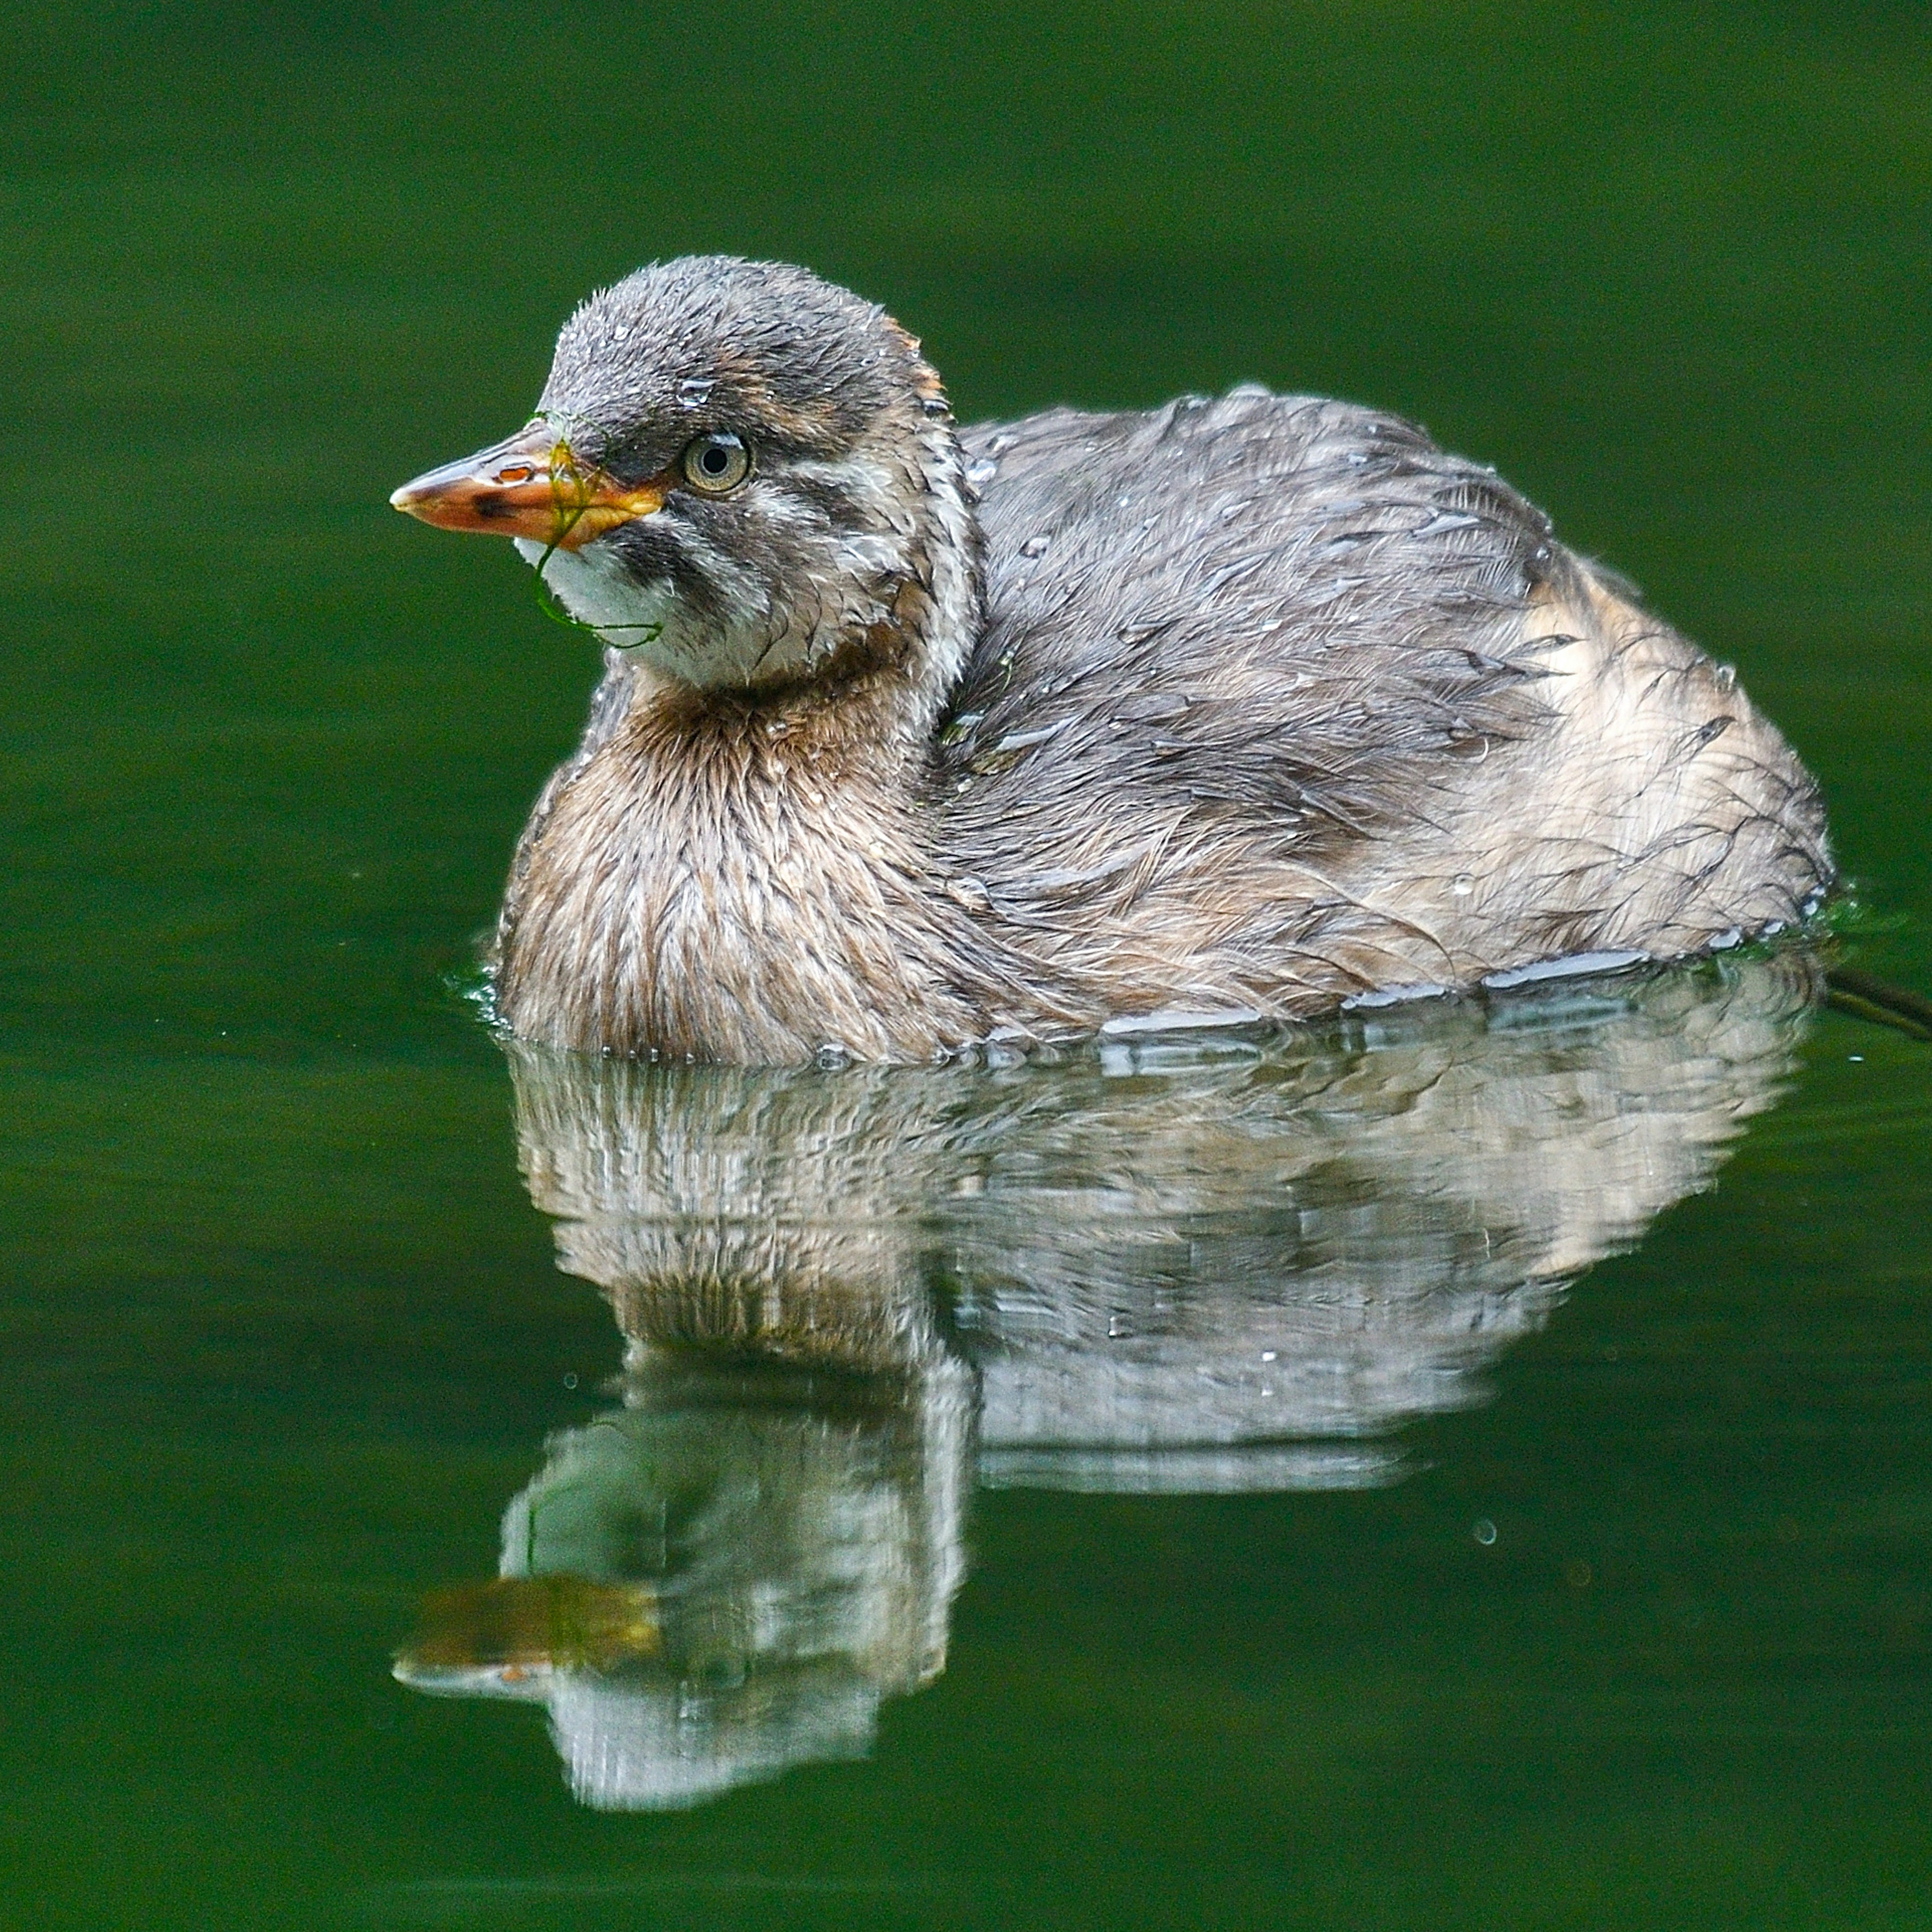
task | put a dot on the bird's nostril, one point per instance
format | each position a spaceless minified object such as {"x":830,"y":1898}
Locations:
{"x":517,"y":472}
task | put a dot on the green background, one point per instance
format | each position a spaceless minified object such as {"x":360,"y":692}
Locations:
{"x":282,"y":1330}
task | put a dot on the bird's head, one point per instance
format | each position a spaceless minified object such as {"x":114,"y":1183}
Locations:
{"x":739,"y":473}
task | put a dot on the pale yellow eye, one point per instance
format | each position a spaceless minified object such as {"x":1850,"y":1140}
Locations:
{"x":717,"y":462}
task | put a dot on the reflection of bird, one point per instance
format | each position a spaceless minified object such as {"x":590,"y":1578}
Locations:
{"x":911,"y":735}
{"x":1159,"y":1264}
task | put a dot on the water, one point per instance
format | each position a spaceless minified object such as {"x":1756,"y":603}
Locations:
{"x":1464,"y":1468}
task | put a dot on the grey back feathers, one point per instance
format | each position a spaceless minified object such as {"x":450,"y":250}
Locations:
{"x":1243,"y":707}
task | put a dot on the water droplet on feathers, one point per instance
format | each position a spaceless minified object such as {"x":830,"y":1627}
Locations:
{"x":694,"y":390}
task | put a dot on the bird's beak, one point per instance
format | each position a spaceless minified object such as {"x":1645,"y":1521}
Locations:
{"x":529,"y":485}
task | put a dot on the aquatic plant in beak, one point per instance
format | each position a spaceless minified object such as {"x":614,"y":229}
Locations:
{"x":573,"y":492}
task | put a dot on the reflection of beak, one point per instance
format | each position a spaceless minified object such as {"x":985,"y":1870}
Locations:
{"x":530,"y":485}
{"x":512,"y":1629}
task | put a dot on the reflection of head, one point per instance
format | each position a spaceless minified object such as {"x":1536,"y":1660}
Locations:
{"x":1158,"y":1265}
{"x":785,"y":1547}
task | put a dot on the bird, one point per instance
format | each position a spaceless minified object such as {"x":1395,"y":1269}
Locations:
{"x":916,"y":740}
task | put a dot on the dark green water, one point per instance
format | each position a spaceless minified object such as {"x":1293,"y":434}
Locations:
{"x":285,"y":1332}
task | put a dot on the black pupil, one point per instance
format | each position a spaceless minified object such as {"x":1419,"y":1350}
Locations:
{"x":716,"y":459}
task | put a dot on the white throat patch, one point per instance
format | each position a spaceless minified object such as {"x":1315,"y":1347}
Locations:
{"x":590,"y":585}
{"x":651,"y":623}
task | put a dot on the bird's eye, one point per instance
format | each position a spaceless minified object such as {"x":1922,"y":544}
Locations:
{"x":717,"y":462}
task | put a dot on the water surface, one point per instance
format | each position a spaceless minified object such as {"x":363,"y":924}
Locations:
{"x":1469,"y":1469}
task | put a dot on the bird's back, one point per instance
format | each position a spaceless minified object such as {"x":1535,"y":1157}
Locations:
{"x":1276,"y":701}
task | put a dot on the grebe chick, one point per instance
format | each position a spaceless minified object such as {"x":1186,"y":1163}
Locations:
{"x":911,"y":735}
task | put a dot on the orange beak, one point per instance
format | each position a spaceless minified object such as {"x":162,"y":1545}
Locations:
{"x":530,"y":485}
